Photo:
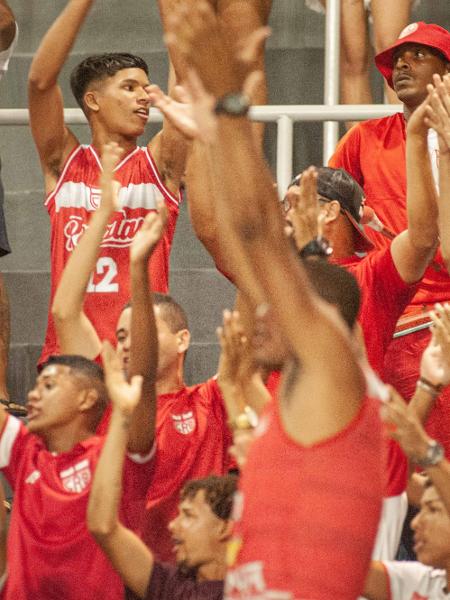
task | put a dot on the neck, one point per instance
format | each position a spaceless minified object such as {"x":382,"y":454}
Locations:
{"x":101,"y":136}
{"x":214,"y":570}
{"x":171,"y":380}
{"x":63,"y":439}
{"x":340,"y":235}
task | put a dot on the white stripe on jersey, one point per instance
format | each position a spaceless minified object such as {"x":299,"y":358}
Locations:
{"x":9,"y":436}
{"x":73,"y":194}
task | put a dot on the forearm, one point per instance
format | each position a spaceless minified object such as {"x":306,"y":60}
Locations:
{"x":422,"y":206}
{"x":69,"y":297}
{"x":143,"y":358}
{"x":57,"y":43}
{"x":7,"y":26}
{"x":444,"y":205}
{"x":106,"y":492}
{"x":421,"y":404}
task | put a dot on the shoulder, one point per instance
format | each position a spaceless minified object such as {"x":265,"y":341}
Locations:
{"x":408,"y":578}
{"x":168,"y":583}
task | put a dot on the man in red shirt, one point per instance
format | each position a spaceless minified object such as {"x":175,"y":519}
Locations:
{"x":50,"y":465}
{"x":373,"y":152}
{"x":199,"y":533}
{"x":324,"y":431}
{"x":112,"y":90}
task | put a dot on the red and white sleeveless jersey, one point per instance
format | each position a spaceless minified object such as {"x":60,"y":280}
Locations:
{"x":70,"y":206}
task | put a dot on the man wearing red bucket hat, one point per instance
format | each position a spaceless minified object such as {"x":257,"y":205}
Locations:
{"x":374,"y":153}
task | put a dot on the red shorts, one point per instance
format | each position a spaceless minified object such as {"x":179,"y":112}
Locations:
{"x":401,"y":369}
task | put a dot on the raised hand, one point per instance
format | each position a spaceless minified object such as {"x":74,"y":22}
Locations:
{"x":435,"y":363}
{"x":196,"y":31}
{"x":236,"y":365}
{"x":111,"y":154}
{"x":404,"y":426}
{"x":124,"y":395}
{"x":438,"y":110}
{"x":148,"y":236}
{"x":303,"y":209}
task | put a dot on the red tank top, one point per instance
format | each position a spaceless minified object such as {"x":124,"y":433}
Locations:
{"x":70,"y":207}
{"x":307,"y":516}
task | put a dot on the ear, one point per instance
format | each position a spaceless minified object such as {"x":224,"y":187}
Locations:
{"x":226,"y":530}
{"x":183,"y":340}
{"x":87,"y":399}
{"x":91,"y":101}
{"x":332,"y":210}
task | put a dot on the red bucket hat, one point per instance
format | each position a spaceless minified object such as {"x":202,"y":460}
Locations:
{"x":426,"y":34}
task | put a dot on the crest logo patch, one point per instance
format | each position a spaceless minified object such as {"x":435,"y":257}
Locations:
{"x":77,"y":478}
{"x":184,"y":423}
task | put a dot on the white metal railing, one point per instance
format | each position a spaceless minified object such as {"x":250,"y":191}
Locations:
{"x":284,"y":116}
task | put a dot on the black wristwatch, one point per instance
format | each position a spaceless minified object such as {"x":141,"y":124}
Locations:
{"x":235,"y":104}
{"x":318,"y":246}
{"x":434,"y":454}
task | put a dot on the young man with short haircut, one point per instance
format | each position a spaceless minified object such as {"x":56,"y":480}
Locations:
{"x":112,"y":90}
{"x":200,"y":532}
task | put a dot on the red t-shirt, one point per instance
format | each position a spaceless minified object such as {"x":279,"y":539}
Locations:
{"x":307,"y":516}
{"x":384,"y":298}
{"x":70,"y":206}
{"x":192,"y":441}
{"x":373,"y":152}
{"x":51,"y":554}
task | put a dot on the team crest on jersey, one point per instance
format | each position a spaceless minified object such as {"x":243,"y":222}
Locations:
{"x":76,"y":478}
{"x":184,"y":423}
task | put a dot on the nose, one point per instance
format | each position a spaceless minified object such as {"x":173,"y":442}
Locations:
{"x":402,"y":62}
{"x":33,"y":396}
{"x":172,"y":525}
{"x":415,"y":523}
{"x":143,"y":96}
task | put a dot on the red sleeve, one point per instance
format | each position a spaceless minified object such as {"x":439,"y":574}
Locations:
{"x":12,"y":444}
{"x":347,"y":154}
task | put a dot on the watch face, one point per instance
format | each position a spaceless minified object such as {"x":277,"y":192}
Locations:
{"x":233,"y":104}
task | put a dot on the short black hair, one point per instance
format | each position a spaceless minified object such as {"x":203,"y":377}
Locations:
{"x":335,"y":285}
{"x":172,"y":313}
{"x":99,"y":67}
{"x":90,"y":375}
{"x":219,"y":493}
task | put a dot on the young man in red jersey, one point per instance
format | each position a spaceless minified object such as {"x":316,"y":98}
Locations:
{"x":112,"y":89}
{"x":199,"y":532}
{"x":373,"y":152}
{"x":323,"y":442}
{"x":50,"y":464}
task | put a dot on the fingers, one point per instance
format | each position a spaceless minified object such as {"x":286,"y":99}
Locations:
{"x":110,"y":359}
{"x":252,"y":83}
{"x":252,"y":47}
{"x":136,"y":385}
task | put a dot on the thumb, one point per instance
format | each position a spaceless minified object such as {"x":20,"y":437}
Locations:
{"x":136,"y":384}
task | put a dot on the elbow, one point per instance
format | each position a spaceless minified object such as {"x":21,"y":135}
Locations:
{"x":60,"y":313}
{"x":38,"y":80}
{"x":100,"y":528}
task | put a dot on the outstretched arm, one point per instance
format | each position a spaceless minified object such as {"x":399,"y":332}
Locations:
{"x":438,"y":117}
{"x":53,"y":139}
{"x":127,"y":553}
{"x":251,"y":218}
{"x":7,"y":25}
{"x":144,"y":337}
{"x":413,"y":249}
{"x":76,"y":334}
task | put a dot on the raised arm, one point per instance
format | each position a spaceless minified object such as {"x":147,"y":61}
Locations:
{"x":127,"y":553}
{"x":53,"y":139}
{"x":76,"y":334}
{"x":438,"y":117}
{"x":413,"y":249}
{"x":251,"y":218}
{"x":144,"y":337}
{"x":7,"y":25}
